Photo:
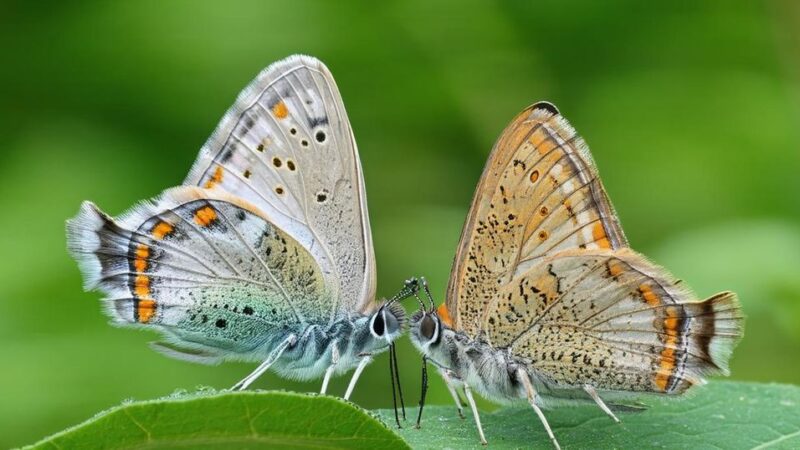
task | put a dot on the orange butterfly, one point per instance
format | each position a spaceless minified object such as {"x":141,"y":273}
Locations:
{"x":546,"y":301}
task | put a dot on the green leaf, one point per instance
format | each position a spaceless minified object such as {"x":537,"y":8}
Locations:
{"x":231,"y":420}
{"x":720,"y":415}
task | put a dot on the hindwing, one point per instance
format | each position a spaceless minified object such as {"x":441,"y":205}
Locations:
{"x":202,"y":265}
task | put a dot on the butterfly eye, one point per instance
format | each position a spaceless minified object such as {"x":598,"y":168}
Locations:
{"x":378,"y":325}
{"x":429,"y":328}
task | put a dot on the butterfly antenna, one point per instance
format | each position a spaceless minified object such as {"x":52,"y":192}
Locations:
{"x":424,"y":390}
{"x":393,"y":351}
{"x":421,"y":304}
{"x":427,"y":292}
{"x":392,"y":370}
{"x":410,"y":288}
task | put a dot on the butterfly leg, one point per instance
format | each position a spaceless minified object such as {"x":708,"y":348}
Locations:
{"x":468,"y":393}
{"x":448,"y":381}
{"x":531,"y":393}
{"x":593,"y":393}
{"x":365,"y":360}
{"x":331,"y":368}
{"x":271,"y":358}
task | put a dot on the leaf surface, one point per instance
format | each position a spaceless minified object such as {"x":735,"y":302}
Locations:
{"x":727,"y":415}
{"x":238,"y":420}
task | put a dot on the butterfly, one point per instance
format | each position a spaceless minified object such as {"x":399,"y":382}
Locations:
{"x":264,"y":254}
{"x":548,"y":303}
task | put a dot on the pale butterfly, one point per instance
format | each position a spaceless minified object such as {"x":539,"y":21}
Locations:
{"x":265,"y":253}
{"x":546,"y":301}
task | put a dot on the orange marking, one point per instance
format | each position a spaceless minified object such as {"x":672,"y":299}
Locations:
{"x":142,"y":253}
{"x":534,"y":176}
{"x":649,"y":296}
{"x":542,"y":141}
{"x":146,"y":310}
{"x":614,"y":268}
{"x":444,"y":314}
{"x":215,"y":179}
{"x":543,"y":235}
{"x":162,"y":229}
{"x":667,"y":363}
{"x":599,"y":236}
{"x":280,"y":110}
{"x":141,"y":286}
{"x":671,"y":323}
{"x":204,"y":216}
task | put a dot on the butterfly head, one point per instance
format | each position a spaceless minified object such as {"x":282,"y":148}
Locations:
{"x":426,"y":328}
{"x":388,"y":322}
{"x":426,"y":325}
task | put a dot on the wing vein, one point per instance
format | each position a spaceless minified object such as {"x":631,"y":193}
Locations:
{"x":280,"y":286}
{"x":557,"y":301}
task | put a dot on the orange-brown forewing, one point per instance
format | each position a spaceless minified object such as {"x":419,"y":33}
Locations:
{"x":539,"y":194}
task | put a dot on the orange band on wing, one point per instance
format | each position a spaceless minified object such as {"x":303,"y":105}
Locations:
{"x":614,"y":268}
{"x":145,"y":310}
{"x":599,"y":236}
{"x":141,"y":286}
{"x":444,"y":315}
{"x":667,"y":363}
{"x":215,"y":179}
{"x":648,"y":295}
{"x":142,"y":253}
{"x":205,"y":216}
{"x":542,"y":141}
{"x":162,"y":230}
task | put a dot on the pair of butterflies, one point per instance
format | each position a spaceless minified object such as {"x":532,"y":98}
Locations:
{"x":265,"y":254}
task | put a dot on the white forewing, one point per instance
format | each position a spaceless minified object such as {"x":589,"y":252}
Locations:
{"x":286,"y":146}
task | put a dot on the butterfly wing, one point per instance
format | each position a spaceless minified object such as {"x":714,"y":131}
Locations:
{"x":544,"y":271}
{"x":286,"y":146}
{"x":205,"y":267}
{"x":539,"y":193}
{"x":613,"y":320}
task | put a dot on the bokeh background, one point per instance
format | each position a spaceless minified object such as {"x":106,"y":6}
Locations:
{"x":691,"y":111}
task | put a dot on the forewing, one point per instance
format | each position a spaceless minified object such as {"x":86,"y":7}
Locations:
{"x":540,"y":193}
{"x":613,"y":320}
{"x":203,"y":266}
{"x":287,"y":147}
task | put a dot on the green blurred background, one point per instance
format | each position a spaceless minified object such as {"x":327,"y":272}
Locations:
{"x":691,"y":111}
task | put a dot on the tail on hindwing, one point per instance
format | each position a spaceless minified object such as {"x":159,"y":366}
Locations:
{"x":102,"y":249}
{"x":718,"y":325}
{"x":710,"y":329}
